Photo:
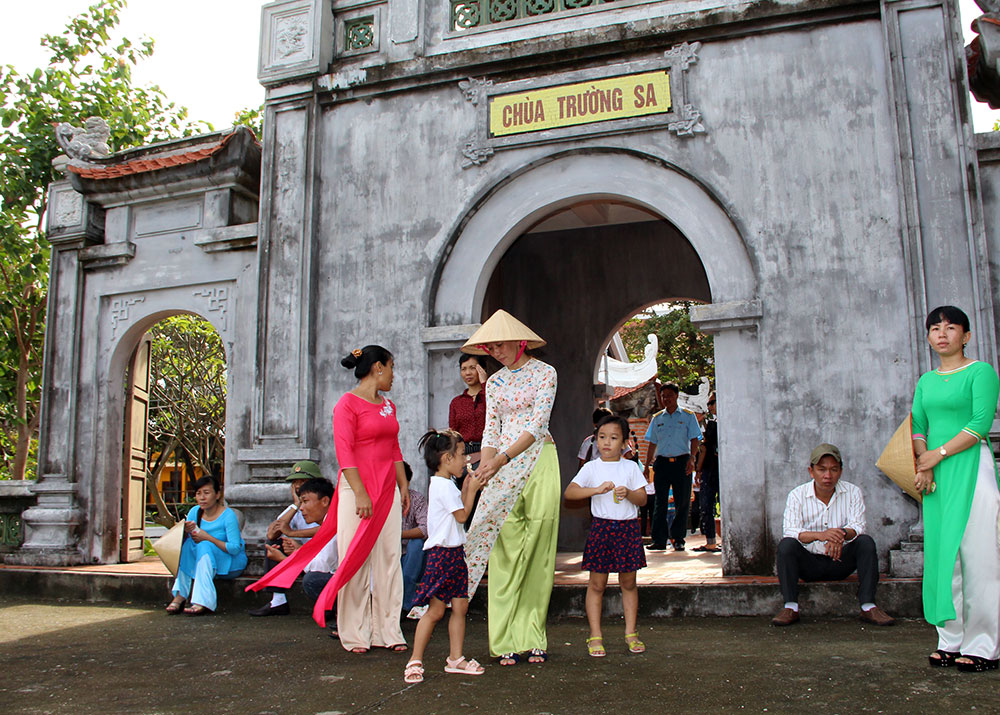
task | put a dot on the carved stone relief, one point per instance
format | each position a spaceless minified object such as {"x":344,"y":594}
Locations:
{"x":291,"y":38}
{"x":68,"y":209}
{"x":119,"y":311}
{"x":218,"y":302}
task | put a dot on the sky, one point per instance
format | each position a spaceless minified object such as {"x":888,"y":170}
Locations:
{"x":206,"y":50}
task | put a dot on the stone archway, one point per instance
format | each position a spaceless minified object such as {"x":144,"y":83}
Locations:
{"x":461,"y":294}
{"x":117,"y":343}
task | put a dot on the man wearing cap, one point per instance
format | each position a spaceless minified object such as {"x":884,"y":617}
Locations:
{"x":824,"y":538}
{"x":290,"y":524}
{"x":674,"y":438}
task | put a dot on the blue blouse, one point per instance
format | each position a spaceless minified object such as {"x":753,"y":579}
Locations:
{"x":226,"y":528}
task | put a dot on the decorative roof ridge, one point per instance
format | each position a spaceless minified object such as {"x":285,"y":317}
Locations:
{"x":161,"y":155}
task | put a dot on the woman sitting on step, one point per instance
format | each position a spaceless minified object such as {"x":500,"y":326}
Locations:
{"x":213,"y":548}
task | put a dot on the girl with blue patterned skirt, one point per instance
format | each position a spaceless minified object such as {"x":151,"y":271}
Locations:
{"x":446,"y":575}
{"x":616,"y":488}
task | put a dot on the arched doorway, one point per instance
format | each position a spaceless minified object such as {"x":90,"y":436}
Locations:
{"x":174,"y":424}
{"x":695,"y":245}
{"x":573,"y":275}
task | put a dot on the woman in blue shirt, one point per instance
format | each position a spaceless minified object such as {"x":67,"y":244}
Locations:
{"x":213,"y":547}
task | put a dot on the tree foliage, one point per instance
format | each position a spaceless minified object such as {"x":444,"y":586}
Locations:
{"x":87,"y":74}
{"x":187,"y":400}
{"x":685,"y":354}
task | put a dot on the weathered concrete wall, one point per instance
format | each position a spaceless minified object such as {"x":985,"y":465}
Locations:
{"x":801,"y":153}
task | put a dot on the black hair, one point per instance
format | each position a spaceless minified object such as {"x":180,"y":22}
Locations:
{"x":599,"y":414}
{"x":947,"y":313}
{"x":465,"y":357}
{"x":408,"y":471}
{"x":320,"y":487}
{"x":369,"y":355}
{"x":435,"y":444}
{"x":672,"y":386}
{"x":208,"y":481}
{"x":612,"y":419}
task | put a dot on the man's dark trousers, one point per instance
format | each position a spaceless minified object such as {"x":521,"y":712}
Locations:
{"x":796,"y":562}
{"x":708,"y":495}
{"x":671,"y":472}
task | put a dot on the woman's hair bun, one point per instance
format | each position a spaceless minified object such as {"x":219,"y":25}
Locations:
{"x":361,"y":360}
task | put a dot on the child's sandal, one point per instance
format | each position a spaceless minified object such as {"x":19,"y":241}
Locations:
{"x":414,"y":672}
{"x":596,"y":651}
{"x":510,"y":659}
{"x":461,"y":666}
{"x":634,"y":644}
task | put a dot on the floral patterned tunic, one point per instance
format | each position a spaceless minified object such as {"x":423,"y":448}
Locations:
{"x":517,"y":401}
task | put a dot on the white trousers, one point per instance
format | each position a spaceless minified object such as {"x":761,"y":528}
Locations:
{"x":975,"y":586}
{"x":370,"y":604}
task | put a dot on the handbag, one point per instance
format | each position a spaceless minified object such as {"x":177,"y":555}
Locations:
{"x":896,"y":460}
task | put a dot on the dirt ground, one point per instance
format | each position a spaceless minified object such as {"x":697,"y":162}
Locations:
{"x":82,"y":658}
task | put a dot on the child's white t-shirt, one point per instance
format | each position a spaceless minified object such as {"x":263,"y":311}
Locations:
{"x":624,"y":472}
{"x":443,"y":499}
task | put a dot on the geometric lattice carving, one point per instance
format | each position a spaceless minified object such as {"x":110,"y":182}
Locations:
{"x":218,"y":302}
{"x":118,"y":312}
{"x":466,"y":14}
{"x":359,"y":33}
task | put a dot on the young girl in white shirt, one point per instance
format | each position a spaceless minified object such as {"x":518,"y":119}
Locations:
{"x":616,"y":488}
{"x":446,"y":575}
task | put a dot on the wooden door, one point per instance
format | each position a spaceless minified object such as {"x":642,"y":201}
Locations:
{"x":136,"y":456}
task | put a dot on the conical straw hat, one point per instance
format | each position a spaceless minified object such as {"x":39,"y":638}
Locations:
{"x":168,"y":547}
{"x":897,"y":460}
{"x":499,"y":327}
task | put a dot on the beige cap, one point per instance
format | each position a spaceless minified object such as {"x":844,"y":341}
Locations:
{"x":499,"y":327}
{"x":824,"y":450}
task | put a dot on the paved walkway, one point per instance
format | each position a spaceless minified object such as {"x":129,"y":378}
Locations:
{"x":81,"y":659}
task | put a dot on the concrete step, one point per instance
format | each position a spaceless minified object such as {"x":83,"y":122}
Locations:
{"x":737,"y":597}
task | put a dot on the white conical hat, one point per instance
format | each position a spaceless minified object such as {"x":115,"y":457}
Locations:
{"x":499,"y":327}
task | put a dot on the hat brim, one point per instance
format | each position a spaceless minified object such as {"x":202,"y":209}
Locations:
{"x":501,"y":327}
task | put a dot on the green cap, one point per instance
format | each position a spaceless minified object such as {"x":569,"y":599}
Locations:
{"x":304,"y":470}
{"x":824,"y":450}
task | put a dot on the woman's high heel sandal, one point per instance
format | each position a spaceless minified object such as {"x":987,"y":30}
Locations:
{"x":977,"y":664}
{"x":945,"y":659}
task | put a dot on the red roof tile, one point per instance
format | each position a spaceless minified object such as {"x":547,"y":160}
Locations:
{"x":140,"y":166}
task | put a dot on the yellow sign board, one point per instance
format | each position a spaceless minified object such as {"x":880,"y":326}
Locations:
{"x":567,"y":105}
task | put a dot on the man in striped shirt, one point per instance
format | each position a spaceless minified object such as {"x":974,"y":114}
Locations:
{"x":824,"y":538}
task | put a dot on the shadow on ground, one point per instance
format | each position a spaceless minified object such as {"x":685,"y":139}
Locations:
{"x":69,"y":657}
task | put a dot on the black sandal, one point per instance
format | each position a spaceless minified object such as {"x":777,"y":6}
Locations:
{"x":978,"y":664}
{"x":945,"y":659}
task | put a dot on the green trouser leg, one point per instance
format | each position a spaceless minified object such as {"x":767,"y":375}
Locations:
{"x":522,"y":563}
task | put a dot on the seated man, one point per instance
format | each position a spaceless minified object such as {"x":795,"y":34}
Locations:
{"x":824,"y":538}
{"x":413,"y":535}
{"x":314,"y":503}
{"x":290,"y":524}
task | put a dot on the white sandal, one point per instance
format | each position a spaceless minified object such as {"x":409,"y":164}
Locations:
{"x":414,"y":672}
{"x":461,"y":666}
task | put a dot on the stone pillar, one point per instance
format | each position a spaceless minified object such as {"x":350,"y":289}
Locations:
{"x":51,"y":527}
{"x":936,"y":166}
{"x":746,"y":528}
{"x":296,"y":46}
